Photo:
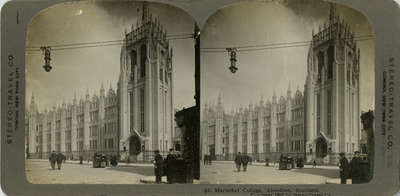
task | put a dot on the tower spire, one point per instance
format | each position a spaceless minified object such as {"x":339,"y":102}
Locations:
{"x":332,"y":13}
{"x":219,"y":98}
{"x":145,"y":12}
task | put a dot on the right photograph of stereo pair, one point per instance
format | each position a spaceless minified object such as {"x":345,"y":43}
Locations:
{"x":287,"y":94}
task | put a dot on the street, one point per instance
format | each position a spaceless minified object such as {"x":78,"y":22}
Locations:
{"x":40,"y":172}
{"x":225,"y":173}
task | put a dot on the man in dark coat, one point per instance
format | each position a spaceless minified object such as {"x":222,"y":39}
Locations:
{"x":344,"y":168}
{"x":60,"y":159}
{"x":53,"y":159}
{"x":238,"y":161}
{"x":158,"y":166}
{"x":356,"y":172}
{"x":170,"y":161}
{"x":245,"y":161}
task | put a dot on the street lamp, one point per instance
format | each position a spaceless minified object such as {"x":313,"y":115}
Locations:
{"x":232,"y":52}
{"x":46,"y":50}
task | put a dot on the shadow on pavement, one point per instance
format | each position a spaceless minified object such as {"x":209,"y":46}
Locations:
{"x":145,"y":171}
{"x":330,"y":173}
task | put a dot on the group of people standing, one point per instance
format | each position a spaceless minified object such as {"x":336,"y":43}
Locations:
{"x":353,"y":170}
{"x":207,"y":159}
{"x":58,"y":158}
{"x":164,"y":167}
{"x":241,"y":160}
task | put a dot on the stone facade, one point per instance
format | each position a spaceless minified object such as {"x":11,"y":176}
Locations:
{"x":78,"y":128}
{"x":145,"y":88}
{"x":263,"y":130}
{"x":332,"y":92}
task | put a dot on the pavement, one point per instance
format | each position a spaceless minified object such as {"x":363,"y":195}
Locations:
{"x":220,"y":172}
{"x":224,"y":172}
{"x":40,"y":172}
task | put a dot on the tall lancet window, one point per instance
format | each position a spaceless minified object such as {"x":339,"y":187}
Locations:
{"x":320,"y":65}
{"x":131,"y":110}
{"x":329,"y":111}
{"x":330,"y":61}
{"x":142,"y":102}
{"x":318,"y":113}
{"x":133,"y":63}
{"x":349,"y":57}
{"x":143,"y":57}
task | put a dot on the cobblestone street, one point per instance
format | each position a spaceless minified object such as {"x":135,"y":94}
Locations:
{"x":40,"y":172}
{"x":225,"y":173}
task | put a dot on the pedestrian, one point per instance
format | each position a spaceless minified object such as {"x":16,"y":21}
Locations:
{"x":344,"y":168}
{"x":53,"y":159}
{"x":266,"y":161}
{"x":169,"y":165}
{"x":314,"y":164}
{"x":80,"y":159}
{"x":245,"y":161}
{"x":356,"y":172}
{"x":60,"y":159}
{"x":158,"y":166}
{"x":205,"y":159}
{"x":238,"y":161}
{"x":107,"y":157}
{"x":113,"y":161}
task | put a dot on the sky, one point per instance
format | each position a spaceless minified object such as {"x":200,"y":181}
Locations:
{"x":260,"y":73}
{"x":76,"y":71}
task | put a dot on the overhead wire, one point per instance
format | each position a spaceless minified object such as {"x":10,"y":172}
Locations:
{"x":274,"y":45}
{"x":244,"y":48}
{"x":100,"y":43}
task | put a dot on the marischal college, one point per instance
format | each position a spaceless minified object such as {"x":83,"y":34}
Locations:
{"x":130,"y":122}
{"x":316,"y":124}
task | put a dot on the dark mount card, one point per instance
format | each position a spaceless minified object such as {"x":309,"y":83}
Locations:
{"x":276,"y":97}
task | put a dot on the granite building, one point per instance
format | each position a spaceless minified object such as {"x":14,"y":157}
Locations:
{"x":263,"y":130}
{"x":78,"y":128}
{"x":145,"y":89}
{"x":332,"y":91}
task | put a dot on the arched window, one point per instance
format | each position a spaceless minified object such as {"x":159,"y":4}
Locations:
{"x":143,"y":57}
{"x":320,"y":65}
{"x":133,"y":63}
{"x":330,"y":61}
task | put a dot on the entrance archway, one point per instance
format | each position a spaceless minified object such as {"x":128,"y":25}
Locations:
{"x":321,"y":147}
{"x":134,"y":145}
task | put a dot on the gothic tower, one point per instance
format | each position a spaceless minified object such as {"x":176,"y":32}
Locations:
{"x":332,"y":91}
{"x":145,"y":89}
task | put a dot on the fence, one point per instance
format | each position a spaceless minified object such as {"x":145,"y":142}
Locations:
{"x":147,"y":156}
{"x":330,"y":159}
{"x":259,"y":157}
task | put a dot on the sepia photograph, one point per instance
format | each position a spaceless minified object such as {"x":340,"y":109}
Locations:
{"x":110,"y":93}
{"x":122,"y":97}
{"x":288,"y":94}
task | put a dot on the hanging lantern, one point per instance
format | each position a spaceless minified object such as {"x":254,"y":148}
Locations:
{"x":232,"y":52}
{"x":46,"y":50}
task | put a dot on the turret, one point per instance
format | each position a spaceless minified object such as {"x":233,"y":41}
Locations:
{"x":289,"y":93}
{"x":102,"y":92}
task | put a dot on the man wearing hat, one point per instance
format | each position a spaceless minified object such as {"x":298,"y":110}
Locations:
{"x":158,"y":166}
{"x":356,"y":172}
{"x":53,"y":159}
{"x":344,"y":168}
